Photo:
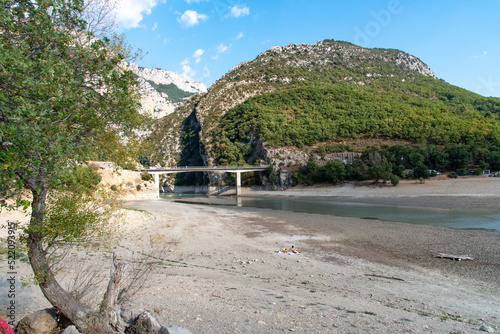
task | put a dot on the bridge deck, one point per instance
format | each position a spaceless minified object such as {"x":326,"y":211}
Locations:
{"x":205,"y":169}
{"x":226,"y":169}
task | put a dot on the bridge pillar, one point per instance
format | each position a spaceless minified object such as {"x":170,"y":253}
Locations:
{"x":157,"y":184}
{"x":238,"y":183}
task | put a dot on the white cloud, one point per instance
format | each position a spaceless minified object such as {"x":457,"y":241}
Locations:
{"x":476,"y":56}
{"x":187,"y":70}
{"x":195,"y":1}
{"x":240,"y":35}
{"x":197,"y":55}
{"x":155,"y":26}
{"x":221,"y":48}
{"x":130,"y":13}
{"x":239,"y":10}
{"x":191,"y":18}
{"x":206,"y":72}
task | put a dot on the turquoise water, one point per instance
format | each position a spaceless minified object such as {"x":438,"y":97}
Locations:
{"x":464,"y":219}
{"x":439,"y":217}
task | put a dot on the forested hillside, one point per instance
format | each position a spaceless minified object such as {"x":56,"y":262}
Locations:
{"x":308,"y":101}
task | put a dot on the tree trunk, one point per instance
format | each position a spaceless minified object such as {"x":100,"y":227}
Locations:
{"x":62,"y":300}
{"x":110,"y":308}
{"x":108,"y":319}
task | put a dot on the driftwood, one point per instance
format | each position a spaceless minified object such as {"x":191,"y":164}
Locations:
{"x":454,"y":257}
{"x":388,"y":277}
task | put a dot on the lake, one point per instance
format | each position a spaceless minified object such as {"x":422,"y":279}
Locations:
{"x":465,"y":219}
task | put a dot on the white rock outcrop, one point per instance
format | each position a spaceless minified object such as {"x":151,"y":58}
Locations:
{"x":159,"y":104}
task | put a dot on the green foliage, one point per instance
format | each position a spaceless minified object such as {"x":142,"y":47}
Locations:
{"x":394,"y":180}
{"x":311,"y":167}
{"x":80,"y":179}
{"x":145,"y":176}
{"x":421,"y":171}
{"x":332,"y":148}
{"x":478,"y":171}
{"x":312,"y":114}
{"x":63,"y":95}
{"x":459,"y":157}
{"x":175,"y":94}
{"x":71,"y":218}
{"x":494,"y":160}
{"x":335,"y":171}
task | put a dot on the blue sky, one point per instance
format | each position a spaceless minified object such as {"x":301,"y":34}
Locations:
{"x":202,"y":39}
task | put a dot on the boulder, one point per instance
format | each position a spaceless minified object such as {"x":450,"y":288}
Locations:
{"x":70,"y":330}
{"x":177,"y":330}
{"x":129,"y":316}
{"x":145,"y":324}
{"x":40,"y":322}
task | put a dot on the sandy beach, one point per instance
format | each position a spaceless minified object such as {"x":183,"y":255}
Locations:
{"x":224,"y":275}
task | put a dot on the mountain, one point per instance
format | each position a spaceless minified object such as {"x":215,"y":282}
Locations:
{"x":290,"y":103}
{"x":163,"y":91}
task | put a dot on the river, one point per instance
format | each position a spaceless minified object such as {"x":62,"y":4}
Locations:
{"x":464,"y":219}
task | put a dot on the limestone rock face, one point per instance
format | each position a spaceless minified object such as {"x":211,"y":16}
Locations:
{"x":155,"y":102}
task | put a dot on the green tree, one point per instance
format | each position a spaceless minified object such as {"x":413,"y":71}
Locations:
{"x":459,"y":157}
{"x":421,"y":171}
{"x":63,"y":97}
{"x":494,"y":160}
{"x":311,"y":167}
{"x":335,"y":171}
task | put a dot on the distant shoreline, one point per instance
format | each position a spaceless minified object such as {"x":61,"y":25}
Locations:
{"x":458,"y":194}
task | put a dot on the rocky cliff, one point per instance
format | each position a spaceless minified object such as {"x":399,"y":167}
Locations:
{"x":163,"y":91}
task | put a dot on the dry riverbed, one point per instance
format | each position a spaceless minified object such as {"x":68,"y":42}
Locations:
{"x":224,"y":274}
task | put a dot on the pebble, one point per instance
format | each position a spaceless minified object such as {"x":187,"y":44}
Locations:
{"x":488,"y":329}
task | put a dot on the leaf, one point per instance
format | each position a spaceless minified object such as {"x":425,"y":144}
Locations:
{"x":25,"y":204}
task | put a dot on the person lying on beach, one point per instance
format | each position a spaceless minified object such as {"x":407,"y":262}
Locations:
{"x":294,"y":250}
{"x":283,"y":250}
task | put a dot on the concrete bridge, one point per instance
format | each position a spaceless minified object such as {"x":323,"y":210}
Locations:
{"x":156,"y":172}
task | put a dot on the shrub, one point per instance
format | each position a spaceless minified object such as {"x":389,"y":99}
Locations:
{"x":478,"y":171}
{"x":452,"y":175}
{"x":114,"y":187}
{"x":273,"y":178}
{"x":394,"y":180}
{"x":146,"y":176}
